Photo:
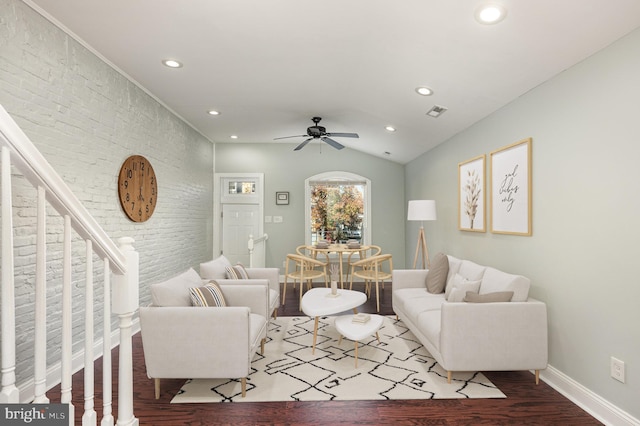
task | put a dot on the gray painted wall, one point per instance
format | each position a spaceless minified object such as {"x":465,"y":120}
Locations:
{"x":586,"y":148}
{"x":86,"y":119}
{"x":286,"y":170}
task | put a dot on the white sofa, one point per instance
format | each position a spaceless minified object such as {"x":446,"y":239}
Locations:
{"x":184,"y":341}
{"x":465,"y":336}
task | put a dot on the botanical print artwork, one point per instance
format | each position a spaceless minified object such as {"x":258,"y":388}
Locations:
{"x":472,"y":190}
{"x":471,"y":199}
{"x":511,"y":189}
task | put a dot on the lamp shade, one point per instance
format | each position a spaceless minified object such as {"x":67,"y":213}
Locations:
{"x":422,"y":210}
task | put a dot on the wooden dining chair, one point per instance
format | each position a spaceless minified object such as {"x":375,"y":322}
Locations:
{"x":371,"y":250}
{"x":374,"y":269}
{"x":303,"y":269}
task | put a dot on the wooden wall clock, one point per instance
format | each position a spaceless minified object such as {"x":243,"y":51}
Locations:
{"x":137,"y":188}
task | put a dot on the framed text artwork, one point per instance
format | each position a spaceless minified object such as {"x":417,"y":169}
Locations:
{"x":511,"y":189}
{"x":282,"y":198}
{"x":471,"y":195}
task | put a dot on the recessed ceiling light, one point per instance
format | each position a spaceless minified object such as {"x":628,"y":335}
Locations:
{"x":213,"y":112}
{"x":390,"y":129}
{"x":424,"y":91}
{"x":490,"y":14}
{"x":234,"y":136}
{"x":172,"y":63}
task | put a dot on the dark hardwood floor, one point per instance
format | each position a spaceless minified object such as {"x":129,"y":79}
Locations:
{"x":526,"y":403}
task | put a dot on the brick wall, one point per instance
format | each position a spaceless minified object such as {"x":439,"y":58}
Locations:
{"x":86,"y":118}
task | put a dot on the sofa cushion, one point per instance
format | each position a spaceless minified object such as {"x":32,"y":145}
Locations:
{"x":437,"y":276}
{"x":215,"y":269}
{"x":494,"y":281}
{"x":237,"y":272}
{"x":499,"y":296}
{"x":471,"y":271}
{"x":416,"y":302}
{"x":209,"y":295}
{"x":175,"y":291}
{"x":454,"y":267}
{"x":463,"y":284}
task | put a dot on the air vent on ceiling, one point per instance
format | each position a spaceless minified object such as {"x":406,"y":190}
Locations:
{"x":436,"y":111}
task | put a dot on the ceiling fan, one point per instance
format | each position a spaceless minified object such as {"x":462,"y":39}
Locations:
{"x":319,"y":132}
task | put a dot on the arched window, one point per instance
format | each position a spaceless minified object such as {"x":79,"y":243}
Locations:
{"x":337,"y":207}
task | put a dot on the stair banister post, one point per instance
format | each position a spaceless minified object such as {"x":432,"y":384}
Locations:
{"x":125,"y":304}
{"x":9,"y":392}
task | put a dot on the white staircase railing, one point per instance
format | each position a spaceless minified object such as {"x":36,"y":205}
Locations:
{"x":122,"y":300}
{"x":257,"y":255}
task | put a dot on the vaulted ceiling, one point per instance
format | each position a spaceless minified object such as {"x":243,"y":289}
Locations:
{"x":268,"y":66}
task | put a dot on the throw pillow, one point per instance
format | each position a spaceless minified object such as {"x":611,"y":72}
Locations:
{"x":456,"y":295}
{"x":237,"y":272}
{"x":498,"y":296}
{"x":209,"y":295}
{"x":175,"y":291}
{"x":214,"y":269}
{"x":461,"y":283}
{"x":437,"y":275}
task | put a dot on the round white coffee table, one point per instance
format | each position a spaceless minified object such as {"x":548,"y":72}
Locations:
{"x":318,"y":302}
{"x":357,"y":331}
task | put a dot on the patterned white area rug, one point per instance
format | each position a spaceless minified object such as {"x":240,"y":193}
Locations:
{"x":398,"y":367}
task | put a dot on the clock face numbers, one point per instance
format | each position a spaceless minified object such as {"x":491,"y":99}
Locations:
{"x":137,"y":188}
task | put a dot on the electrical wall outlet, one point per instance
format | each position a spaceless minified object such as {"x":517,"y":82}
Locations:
{"x":617,"y":369}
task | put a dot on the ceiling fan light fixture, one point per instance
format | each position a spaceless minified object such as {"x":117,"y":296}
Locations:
{"x":171,"y":63}
{"x":490,"y":14}
{"x":424,"y":91}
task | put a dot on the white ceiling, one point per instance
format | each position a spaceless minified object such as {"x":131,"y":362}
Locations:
{"x":270,"y":65}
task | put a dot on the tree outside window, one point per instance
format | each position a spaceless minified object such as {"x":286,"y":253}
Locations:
{"x":337,"y":212}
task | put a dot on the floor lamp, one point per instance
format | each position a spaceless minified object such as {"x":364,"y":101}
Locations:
{"x":421,"y":210}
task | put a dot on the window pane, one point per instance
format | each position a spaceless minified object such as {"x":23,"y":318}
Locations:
{"x":337,"y":212}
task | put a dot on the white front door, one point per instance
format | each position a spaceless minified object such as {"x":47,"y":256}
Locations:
{"x":238,"y":209}
{"x":238,"y":222}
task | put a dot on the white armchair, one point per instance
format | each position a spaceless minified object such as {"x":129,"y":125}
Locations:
{"x":183,"y":341}
{"x":216,"y":270}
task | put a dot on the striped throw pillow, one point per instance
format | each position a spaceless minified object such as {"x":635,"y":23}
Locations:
{"x":209,"y":295}
{"x":237,"y":272}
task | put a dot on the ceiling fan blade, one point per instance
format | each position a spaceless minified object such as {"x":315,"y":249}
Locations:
{"x":287,"y":137}
{"x":344,"y":135}
{"x":333,"y":143}
{"x":299,"y":147}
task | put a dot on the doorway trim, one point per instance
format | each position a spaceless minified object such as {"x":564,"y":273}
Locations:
{"x":219,"y":193}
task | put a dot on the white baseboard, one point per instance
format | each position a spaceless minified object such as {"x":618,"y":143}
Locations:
{"x":54,"y":372}
{"x":586,"y":399}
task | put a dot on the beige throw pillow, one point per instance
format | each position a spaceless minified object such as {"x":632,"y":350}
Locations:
{"x":459,"y":287}
{"x":437,"y":275}
{"x":498,"y":296}
{"x":214,"y":269}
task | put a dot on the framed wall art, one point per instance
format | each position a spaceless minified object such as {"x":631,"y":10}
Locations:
{"x":471,"y":195}
{"x":282,"y":198}
{"x":511,"y":189}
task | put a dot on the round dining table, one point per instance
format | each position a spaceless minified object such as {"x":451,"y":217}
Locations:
{"x":339,"y":249}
